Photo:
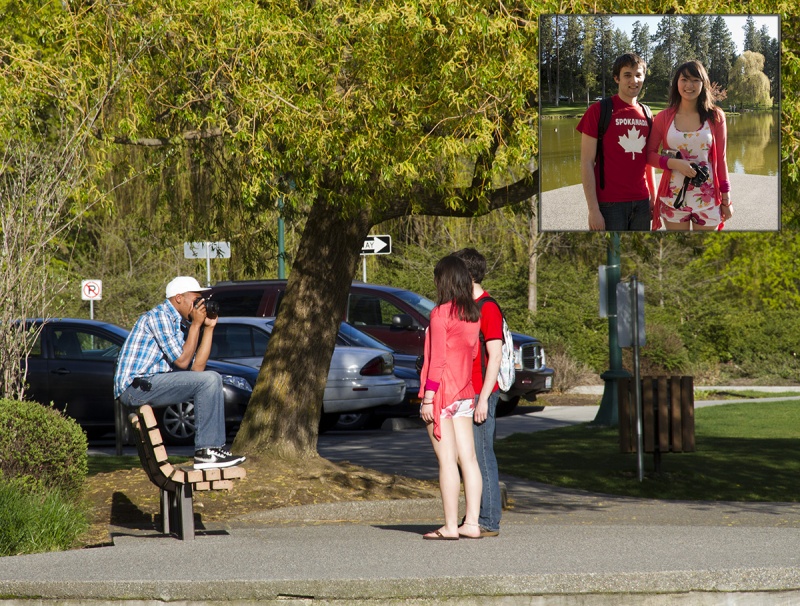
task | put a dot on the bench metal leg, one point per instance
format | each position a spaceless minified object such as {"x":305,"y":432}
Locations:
{"x":166,"y":511}
{"x":177,"y":512}
{"x":184,"y":512}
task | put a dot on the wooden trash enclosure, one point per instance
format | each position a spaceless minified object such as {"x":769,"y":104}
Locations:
{"x":667,"y":415}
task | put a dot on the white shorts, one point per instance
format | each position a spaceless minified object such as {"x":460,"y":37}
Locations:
{"x":459,"y":408}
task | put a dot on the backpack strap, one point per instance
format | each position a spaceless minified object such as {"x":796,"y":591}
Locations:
{"x":649,"y":115}
{"x":606,"y":107}
{"x":482,"y":339}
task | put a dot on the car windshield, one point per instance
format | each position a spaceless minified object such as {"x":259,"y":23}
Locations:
{"x":356,"y":338}
{"x":418,"y":302}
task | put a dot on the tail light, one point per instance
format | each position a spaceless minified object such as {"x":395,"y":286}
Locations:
{"x":381,"y":365}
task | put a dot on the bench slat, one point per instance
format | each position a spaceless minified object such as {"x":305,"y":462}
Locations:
{"x":148,"y":416}
{"x":215,"y":485}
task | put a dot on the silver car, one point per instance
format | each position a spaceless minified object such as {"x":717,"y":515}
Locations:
{"x":358,"y":377}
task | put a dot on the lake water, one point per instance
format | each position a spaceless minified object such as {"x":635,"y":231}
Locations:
{"x":752,"y":148}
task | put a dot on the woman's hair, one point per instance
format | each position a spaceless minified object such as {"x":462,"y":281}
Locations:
{"x":453,"y":284}
{"x":705,"y":101}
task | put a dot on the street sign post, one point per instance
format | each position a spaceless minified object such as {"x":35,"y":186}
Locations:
{"x":630,"y":312}
{"x":91,"y":290}
{"x":375,"y":245}
{"x":207,"y":251}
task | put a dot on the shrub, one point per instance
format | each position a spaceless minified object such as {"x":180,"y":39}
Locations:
{"x":568,"y":372}
{"x":41,"y":448}
{"x":663,"y":354}
{"x":33,"y":522}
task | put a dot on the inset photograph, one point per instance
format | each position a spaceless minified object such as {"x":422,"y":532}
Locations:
{"x":659,"y":122}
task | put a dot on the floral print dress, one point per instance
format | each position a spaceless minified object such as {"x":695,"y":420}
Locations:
{"x":699,"y":204}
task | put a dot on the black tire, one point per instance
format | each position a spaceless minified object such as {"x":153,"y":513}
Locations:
{"x":351,"y":421}
{"x":328,"y":421}
{"x":176,"y":422}
{"x":506,"y":407}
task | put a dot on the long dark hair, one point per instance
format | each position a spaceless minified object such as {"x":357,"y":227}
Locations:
{"x":705,"y":101}
{"x":453,"y":284}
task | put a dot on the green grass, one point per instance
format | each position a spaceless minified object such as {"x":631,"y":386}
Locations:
{"x":744,"y":393}
{"x":34,"y":522}
{"x":745,"y":452}
{"x":565,"y":110}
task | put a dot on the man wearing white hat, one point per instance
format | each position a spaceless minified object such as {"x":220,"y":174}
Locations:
{"x":154,"y":356}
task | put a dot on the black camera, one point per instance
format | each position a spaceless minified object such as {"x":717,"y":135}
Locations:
{"x":212,"y":309}
{"x":701,"y":176}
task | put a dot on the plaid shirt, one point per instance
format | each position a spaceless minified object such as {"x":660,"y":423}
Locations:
{"x":155,"y":342}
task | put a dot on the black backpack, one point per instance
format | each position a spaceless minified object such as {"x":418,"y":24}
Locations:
{"x":606,"y":107}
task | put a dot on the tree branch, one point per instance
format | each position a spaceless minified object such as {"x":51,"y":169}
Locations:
{"x":427,"y":202}
{"x":191,"y":135}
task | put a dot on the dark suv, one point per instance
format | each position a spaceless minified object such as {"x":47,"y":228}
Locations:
{"x":396,"y":316}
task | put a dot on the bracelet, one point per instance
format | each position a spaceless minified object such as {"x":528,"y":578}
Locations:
{"x":427,"y":403}
{"x":725,"y":205}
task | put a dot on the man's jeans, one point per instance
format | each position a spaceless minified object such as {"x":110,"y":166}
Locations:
{"x":205,"y":388}
{"x":491,"y":505}
{"x":626,"y":216}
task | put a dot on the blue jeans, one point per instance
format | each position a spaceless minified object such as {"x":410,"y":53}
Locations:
{"x":626,"y":216}
{"x":491,"y":503}
{"x":204,"y":388}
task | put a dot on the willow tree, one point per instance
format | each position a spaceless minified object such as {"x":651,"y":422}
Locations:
{"x":348,"y":113}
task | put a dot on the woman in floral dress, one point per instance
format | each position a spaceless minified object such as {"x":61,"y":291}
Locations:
{"x":691,"y":130}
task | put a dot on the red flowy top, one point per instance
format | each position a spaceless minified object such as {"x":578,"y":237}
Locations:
{"x":450,"y":348}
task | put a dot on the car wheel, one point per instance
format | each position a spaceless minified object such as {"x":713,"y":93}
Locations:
{"x":506,"y":407}
{"x":177,"y":424}
{"x":354,"y":420}
{"x":328,"y":421}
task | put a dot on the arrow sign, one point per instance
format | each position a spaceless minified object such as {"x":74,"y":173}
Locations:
{"x":377,"y":245}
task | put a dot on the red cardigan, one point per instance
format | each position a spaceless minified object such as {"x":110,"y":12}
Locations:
{"x":450,"y":347}
{"x":716,"y":155}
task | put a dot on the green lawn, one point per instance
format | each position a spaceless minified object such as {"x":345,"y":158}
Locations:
{"x":745,"y":452}
{"x":578,"y":109}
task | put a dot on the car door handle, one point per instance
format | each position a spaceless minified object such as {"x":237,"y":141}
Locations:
{"x":60,"y":371}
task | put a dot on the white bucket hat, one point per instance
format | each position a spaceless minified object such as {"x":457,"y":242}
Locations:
{"x":183,"y":284}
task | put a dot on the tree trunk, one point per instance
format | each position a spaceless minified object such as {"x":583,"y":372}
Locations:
{"x":282,"y":418}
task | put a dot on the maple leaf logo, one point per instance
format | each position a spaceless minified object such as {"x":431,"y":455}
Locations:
{"x":632,"y":142}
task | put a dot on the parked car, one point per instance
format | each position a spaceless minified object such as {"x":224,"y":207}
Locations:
{"x":404,"y":368}
{"x":395,"y":316}
{"x":359,"y":378}
{"x":72,"y":365}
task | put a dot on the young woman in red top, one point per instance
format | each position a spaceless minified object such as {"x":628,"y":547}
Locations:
{"x":448,"y":398}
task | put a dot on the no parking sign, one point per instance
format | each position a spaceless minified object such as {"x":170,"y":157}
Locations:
{"x":92,"y":290}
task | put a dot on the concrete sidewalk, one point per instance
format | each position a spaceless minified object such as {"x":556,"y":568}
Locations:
{"x":756,"y":203}
{"x":557,"y":546}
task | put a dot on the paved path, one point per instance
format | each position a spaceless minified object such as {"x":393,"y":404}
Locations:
{"x":756,"y":200}
{"x":557,"y":547}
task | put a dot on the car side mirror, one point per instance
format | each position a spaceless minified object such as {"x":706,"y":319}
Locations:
{"x":402,"y":321}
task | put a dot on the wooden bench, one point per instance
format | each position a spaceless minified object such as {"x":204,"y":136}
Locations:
{"x":177,"y":484}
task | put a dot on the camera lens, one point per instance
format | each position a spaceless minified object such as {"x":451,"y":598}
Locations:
{"x":212,"y":309}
